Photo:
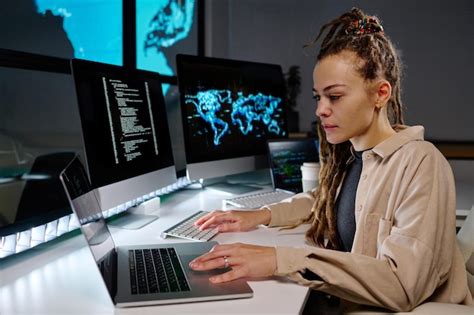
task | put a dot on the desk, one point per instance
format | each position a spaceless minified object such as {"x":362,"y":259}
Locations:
{"x":61,"y":277}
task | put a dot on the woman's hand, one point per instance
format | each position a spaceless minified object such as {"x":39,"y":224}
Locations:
{"x":246,"y":261}
{"x":234,"y":220}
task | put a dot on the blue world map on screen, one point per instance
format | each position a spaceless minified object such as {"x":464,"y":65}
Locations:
{"x":216,"y":106}
{"x":95,"y":29}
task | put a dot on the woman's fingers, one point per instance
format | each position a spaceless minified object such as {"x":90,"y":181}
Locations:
{"x":217,"y":251}
{"x":245,"y":260}
{"x":232,"y":220}
{"x":207,"y":217}
{"x":233,"y":274}
{"x":217,"y":262}
{"x":217,"y":219}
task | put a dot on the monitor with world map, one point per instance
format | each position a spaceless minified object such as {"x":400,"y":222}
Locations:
{"x":229,"y":109}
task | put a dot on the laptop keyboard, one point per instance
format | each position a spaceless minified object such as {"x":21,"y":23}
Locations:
{"x":156,"y":270}
{"x":187,"y":230}
{"x":259,"y":199}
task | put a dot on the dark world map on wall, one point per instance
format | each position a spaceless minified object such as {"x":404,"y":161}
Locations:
{"x":92,"y":30}
{"x":95,"y":29}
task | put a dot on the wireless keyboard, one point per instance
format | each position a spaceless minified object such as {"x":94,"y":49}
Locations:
{"x":187,"y":230}
{"x":259,"y":199}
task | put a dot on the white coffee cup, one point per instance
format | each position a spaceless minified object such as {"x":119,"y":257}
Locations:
{"x":310,"y":175}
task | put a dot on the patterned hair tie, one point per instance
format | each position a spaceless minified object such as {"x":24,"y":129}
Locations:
{"x":366,"y":25}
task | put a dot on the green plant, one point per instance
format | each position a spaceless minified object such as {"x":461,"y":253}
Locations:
{"x":293,"y":86}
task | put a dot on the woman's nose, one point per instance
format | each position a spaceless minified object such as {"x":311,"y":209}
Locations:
{"x":322,"y":109}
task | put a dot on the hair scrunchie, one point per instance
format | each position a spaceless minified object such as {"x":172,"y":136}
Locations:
{"x":366,"y":25}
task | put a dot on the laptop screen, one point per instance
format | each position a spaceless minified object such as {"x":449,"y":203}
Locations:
{"x":86,"y":207}
{"x":286,"y":157}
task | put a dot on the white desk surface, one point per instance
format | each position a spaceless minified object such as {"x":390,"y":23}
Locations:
{"x":61,"y":277}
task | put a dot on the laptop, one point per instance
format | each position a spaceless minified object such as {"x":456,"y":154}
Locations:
{"x":285,"y":159}
{"x":142,"y":275}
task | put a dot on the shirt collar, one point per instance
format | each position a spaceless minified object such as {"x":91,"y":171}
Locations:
{"x":404,"y":135}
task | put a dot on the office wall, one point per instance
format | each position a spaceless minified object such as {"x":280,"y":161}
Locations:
{"x":434,"y":39}
{"x":464,"y":175}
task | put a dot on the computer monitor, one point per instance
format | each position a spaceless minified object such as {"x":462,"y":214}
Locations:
{"x":230,"y":109}
{"x":125,"y":131}
{"x":286,"y":157}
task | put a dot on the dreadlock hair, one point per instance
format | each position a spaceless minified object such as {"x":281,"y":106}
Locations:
{"x":356,"y":32}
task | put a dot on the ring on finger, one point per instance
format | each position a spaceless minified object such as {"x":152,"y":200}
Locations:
{"x":226,"y":262}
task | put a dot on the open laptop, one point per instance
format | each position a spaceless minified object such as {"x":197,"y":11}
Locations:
{"x":142,"y":275}
{"x":285,"y":159}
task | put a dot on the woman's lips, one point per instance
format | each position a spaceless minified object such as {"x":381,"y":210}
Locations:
{"x":328,"y":127}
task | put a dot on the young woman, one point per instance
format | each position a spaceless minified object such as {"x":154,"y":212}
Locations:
{"x":383,"y":215}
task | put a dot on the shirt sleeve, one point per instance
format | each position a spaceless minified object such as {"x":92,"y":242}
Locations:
{"x":412,"y":261}
{"x":291,"y":210}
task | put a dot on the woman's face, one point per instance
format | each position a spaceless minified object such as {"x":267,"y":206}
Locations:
{"x":345,"y":107}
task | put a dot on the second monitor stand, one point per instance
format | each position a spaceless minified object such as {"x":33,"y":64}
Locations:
{"x":240,"y":183}
{"x":136,"y":217}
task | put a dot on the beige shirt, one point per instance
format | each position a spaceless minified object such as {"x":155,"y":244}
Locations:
{"x":405,"y":250}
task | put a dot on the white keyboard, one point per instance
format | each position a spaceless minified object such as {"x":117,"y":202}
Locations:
{"x":187,"y":230}
{"x":258,"y":200}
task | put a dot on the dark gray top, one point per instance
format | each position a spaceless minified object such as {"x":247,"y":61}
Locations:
{"x":345,"y":203}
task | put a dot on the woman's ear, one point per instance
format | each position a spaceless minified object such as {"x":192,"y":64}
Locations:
{"x":383,"y":91}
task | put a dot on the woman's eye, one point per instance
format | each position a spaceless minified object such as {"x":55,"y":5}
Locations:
{"x":334,"y":97}
{"x":316,"y":97}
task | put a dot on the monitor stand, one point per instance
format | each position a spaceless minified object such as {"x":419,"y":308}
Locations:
{"x":131,"y":221}
{"x":234,"y":189}
{"x":240,"y":183}
{"x":136,"y":217}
